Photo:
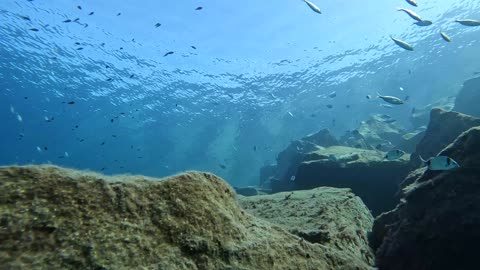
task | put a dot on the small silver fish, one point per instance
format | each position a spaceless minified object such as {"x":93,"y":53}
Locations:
{"x":440,"y":163}
{"x":12,"y":110}
{"x":391,"y":99}
{"x":412,"y":14}
{"x":19,"y":118}
{"x":469,"y":22}
{"x":332,"y":95}
{"x":291,"y":114}
{"x":313,"y":6}
{"x":402,"y":44}
{"x":39,"y":149}
{"x":368,"y":96}
{"x":386,"y":106}
{"x":394,"y":154}
{"x":445,"y":37}
{"x":412,"y":2}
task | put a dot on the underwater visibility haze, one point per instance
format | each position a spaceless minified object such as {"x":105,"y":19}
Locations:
{"x":158,"y":87}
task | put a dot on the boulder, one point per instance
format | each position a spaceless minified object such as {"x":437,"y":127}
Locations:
{"x":378,"y":132}
{"x":421,"y":116}
{"x":366,"y":172}
{"x":443,"y":128}
{"x":289,"y":159}
{"x":331,"y":217}
{"x":54,"y":218}
{"x":468,"y":99}
{"x":436,"y":224}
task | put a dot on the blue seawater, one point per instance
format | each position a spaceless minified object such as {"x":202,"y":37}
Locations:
{"x":256,"y":78}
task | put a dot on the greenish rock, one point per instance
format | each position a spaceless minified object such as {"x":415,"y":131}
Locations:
{"x":55,"y":218}
{"x":331,"y":217}
{"x":366,"y":172}
{"x":421,"y":116}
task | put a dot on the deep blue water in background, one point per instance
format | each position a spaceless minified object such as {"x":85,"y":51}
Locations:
{"x":207,"y":108}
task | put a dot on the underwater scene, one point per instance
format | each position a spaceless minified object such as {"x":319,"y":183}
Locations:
{"x":290,"y":134}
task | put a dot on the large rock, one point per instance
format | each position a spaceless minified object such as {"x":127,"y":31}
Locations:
{"x":53,"y":218}
{"x":436,"y":225}
{"x":379,"y":130}
{"x":468,"y":99}
{"x":366,"y":172}
{"x":443,"y":128}
{"x":328,"y":216}
{"x":289,"y":159}
{"x":421,"y":116}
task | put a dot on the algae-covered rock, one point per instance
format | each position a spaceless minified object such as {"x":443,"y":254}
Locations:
{"x":366,"y":172}
{"x":328,"y":216}
{"x":443,"y":128}
{"x":436,"y":224}
{"x":468,"y":99}
{"x":53,"y":218}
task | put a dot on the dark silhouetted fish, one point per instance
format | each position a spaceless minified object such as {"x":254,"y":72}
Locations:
{"x":71,"y":102}
{"x":79,"y":7}
{"x":168,"y":53}
{"x":329,"y":106}
{"x":199,"y":8}
{"x":158,"y":25}
{"x":26,"y":18}
{"x":91,"y":13}
{"x":67,"y":21}
{"x":222,"y":166}
{"x":118,"y":14}
{"x":193,"y":47}
{"x":33,"y":29}
{"x":79,"y":48}
{"x":131,"y":76}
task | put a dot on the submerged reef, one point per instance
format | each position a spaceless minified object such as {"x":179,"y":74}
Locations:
{"x":436,"y":224}
{"x":332,"y":217}
{"x":55,"y":218}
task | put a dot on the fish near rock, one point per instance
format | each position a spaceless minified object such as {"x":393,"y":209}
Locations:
{"x":440,"y":163}
{"x":402,"y":44}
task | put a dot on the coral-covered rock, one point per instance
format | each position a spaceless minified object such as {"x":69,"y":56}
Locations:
{"x":436,"y":224}
{"x":328,"y":216}
{"x":366,"y":172}
{"x":443,"y":128}
{"x":468,"y":99}
{"x":53,"y":218}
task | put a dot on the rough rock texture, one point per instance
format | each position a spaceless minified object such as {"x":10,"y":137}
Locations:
{"x":265,"y":173}
{"x":366,"y":172}
{"x":289,"y":159}
{"x":421,"y":116}
{"x":328,"y":216}
{"x":436,"y":225}
{"x":53,"y":218}
{"x":376,"y":131}
{"x":443,"y":128}
{"x":468,"y":99}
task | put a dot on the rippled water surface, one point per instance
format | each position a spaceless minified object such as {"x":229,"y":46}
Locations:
{"x":223,"y":88}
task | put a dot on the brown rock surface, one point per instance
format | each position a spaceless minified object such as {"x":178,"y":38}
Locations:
{"x":54,"y":218}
